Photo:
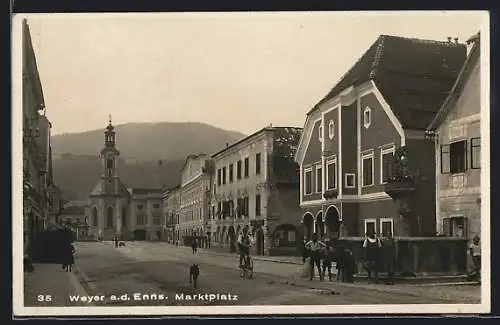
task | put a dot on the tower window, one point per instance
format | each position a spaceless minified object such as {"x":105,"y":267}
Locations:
{"x":109,"y":164}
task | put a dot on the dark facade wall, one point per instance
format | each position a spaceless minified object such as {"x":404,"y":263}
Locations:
{"x":350,"y":213}
{"x":332,"y":145}
{"x":422,"y":165}
{"x":313,"y":153}
{"x":381,"y":132}
{"x":376,"y":210}
{"x":283,"y":207}
{"x":312,"y":156}
{"x":349,"y":144}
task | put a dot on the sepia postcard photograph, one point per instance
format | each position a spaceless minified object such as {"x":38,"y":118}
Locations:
{"x":245,"y":163}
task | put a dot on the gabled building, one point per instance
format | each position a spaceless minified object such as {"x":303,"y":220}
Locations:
{"x":456,"y":132}
{"x":256,"y":184}
{"x":365,"y":165}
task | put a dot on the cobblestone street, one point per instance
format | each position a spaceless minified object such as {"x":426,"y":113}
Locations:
{"x":159,"y":268}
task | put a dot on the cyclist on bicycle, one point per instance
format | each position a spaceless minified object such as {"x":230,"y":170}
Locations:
{"x":244,"y":244}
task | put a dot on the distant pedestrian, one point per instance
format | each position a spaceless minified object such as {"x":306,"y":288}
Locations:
{"x":389,"y":249}
{"x":348,"y":266}
{"x":304,"y":251}
{"x":116,"y":240}
{"x":475,"y":253}
{"x":194,"y":245}
{"x":327,"y":262}
{"x":69,"y":257}
{"x":315,"y":247}
{"x":372,"y":246}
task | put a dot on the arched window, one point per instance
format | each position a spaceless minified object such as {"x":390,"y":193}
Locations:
{"x":367,"y":117}
{"x":320,"y":132}
{"x":331,"y":129}
{"x":109,"y":218}
{"x":94,"y":216}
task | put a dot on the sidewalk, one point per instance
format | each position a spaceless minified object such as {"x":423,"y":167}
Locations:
{"x":51,"y":282}
{"x":470,"y":294}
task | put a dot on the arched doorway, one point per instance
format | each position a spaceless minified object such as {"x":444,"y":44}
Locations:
{"x":332,"y":221}
{"x":140,"y":234}
{"x":320,"y":225}
{"x":308,"y":223}
{"x":94,"y":216}
{"x":109,"y":217}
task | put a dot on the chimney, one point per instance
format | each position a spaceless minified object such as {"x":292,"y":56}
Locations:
{"x":449,"y":39}
{"x":227,"y":144}
{"x":456,"y":40}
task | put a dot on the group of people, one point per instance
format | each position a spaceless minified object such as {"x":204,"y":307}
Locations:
{"x":378,"y":254}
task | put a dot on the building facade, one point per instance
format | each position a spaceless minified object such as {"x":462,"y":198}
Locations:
{"x":145,"y":211}
{"x":196,"y":177}
{"x":256,"y":184}
{"x":114,"y":210}
{"x":171,"y":205}
{"x":41,"y":197}
{"x":456,"y":132}
{"x":365,"y":164}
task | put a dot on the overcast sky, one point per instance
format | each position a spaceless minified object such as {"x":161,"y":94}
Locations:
{"x":237,"y":71}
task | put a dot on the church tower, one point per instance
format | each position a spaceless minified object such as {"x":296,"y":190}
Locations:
{"x":109,"y":199}
{"x":109,"y":160}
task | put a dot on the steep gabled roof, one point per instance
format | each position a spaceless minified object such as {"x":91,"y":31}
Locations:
{"x":413,"y":75}
{"x":462,"y":78}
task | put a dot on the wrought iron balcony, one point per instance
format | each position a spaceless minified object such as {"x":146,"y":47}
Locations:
{"x":331,"y":194}
{"x":400,"y":183}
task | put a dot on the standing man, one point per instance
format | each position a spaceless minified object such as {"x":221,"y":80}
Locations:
{"x":372,"y":246}
{"x":389,"y":248}
{"x":315,"y":247}
{"x":475,"y":253}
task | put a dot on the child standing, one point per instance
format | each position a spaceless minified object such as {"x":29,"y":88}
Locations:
{"x":475,"y":253}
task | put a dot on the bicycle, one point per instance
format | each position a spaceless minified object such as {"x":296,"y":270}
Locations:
{"x":247,"y":267}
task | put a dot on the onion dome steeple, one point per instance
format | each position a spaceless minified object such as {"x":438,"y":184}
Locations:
{"x":109,"y":135}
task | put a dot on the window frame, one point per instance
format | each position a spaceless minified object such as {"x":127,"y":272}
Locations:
{"x":258,"y":165}
{"x":239,"y":166}
{"x":306,"y":171}
{"x":472,"y":146}
{"x":331,"y":161}
{"x":317,"y":168}
{"x":366,"y":123}
{"x":331,"y":129}
{"x":346,"y":175}
{"x":224,"y":174}
{"x":246,"y":167}
{"x":320,"y":131}
{"x":258,"y":207}
{"x":219,"y":176}
{"x":370,"y":220}
{"x":465,"y":143}
{"x":386,"y":219}
{"x":384,"y":151}
{"x":441,"y":153}
{"x":231,"y":173}
{"x":369,"y":154}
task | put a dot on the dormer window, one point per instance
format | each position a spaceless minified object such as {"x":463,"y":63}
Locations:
{"x":320,"y":132}
{"x":367,"y":117}
{"x":331,"y":129}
